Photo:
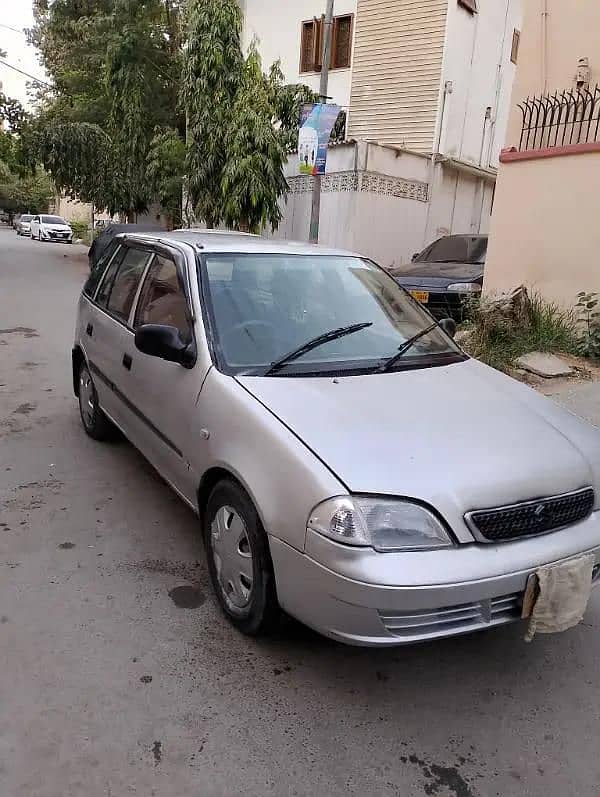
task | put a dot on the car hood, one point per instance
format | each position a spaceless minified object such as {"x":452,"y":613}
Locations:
{"x":458,"y":437}
{"x":438,"y":273}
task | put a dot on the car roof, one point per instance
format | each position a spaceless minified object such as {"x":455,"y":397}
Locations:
{"x":218,"y":241}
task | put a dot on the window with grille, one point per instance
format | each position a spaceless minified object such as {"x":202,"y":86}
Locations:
{"x":516,"y":41}
{"x":311,"y":47}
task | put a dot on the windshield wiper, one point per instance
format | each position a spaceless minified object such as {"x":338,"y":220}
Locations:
{"x":313,"y":344}
{"x":404,"y":348}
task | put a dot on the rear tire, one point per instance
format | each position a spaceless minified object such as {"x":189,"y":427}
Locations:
{"x":94,"y":421}
{"x":239,"y":560}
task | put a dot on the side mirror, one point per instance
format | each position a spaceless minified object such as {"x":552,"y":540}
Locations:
{"x":160,"y":340}
{"x":449,"y":326}
{"x":414,"y":257}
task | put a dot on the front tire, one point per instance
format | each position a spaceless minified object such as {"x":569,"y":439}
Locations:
{"x":94,"y":421}
{"x":239,"y":560}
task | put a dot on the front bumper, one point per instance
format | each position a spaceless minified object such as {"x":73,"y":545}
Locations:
{"x":58,"y":237}
{"x":364,"y":598}
{"x":443,"y":303}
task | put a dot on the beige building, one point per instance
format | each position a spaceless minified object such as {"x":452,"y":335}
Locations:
{"x":545,"y":229}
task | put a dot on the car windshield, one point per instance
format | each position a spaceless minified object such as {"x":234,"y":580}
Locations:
{"x":265,"y":306}
{"x":456,"y":249}
{"x":53,"y":220}
{"x":25,"y":218}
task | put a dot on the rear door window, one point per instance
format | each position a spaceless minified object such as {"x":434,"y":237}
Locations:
{"x":98,"y":270}
{"x":108,"y":277}
{"x":126,"y":282}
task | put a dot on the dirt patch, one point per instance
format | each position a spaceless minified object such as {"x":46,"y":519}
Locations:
{"x":33,"y":495}
{"x":187,"y":597}
{"x":185,"y":571}
{"x":25,"y":409}
{"x":10,"y":426}
{"x":27,"y":332}
{"x":441,"y":779}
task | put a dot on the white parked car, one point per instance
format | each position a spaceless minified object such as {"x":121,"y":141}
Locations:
{"x":51,"y":228}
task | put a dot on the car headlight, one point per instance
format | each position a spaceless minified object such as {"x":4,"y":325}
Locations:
{"x":385,"y":524}
{"x":464,"y":287}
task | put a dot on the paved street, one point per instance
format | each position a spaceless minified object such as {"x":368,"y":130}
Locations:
{"x":108,"y":688}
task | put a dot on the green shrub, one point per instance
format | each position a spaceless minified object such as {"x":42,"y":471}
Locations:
{"x":499,"y":339}
{"x":80,"y":229}
{"x":588,"y":318}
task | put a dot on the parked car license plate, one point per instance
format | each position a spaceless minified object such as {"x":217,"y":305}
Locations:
{"x":420,"y":296}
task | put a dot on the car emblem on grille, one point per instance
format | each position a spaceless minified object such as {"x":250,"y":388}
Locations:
{"x":540,"y":512}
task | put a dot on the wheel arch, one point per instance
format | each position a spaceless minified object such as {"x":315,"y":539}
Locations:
{"x":209,"y":481}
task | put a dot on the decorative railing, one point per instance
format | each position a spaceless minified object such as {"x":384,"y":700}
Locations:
{"x":560,"y":119}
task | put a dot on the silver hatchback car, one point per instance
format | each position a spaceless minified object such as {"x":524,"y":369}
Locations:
{"x":349,"y":463}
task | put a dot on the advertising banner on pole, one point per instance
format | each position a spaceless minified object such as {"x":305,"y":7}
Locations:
{"x":316,"y":124}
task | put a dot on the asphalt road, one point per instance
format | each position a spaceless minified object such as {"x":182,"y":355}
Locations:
{"x":108,"y":688}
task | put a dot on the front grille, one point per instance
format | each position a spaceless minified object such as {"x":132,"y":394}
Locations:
{"x":452,"y":620}
{"x":446,"y":305}
{"x":531,"y":518}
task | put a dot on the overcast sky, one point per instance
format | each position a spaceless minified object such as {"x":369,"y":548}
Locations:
{"x":17,"y":14}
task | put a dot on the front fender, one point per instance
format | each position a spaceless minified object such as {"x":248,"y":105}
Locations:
{"x":283,"y":477}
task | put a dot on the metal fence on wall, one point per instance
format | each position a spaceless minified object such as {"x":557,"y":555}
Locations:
{"x":560,"y":119}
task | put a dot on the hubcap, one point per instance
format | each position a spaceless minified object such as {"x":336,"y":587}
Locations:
{"x":87,"y":397}
{"x":233,"y":557}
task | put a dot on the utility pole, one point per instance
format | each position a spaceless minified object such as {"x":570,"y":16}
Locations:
{"x":315,"y":210}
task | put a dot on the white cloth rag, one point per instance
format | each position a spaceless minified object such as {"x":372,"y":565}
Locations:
{"x":564,"y":593}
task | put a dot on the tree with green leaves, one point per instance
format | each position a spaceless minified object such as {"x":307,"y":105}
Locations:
{"x":23,"y":186}
{"x":114,"y":64}
{"x":252,"y":179}
{"x":212,"y":73}
{"x":166,"y":167}
{"x":127,"y":76}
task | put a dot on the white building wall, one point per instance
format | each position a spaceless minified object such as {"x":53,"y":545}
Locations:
{"x":277,"y":25}
{"x":477,"y":61}
{"x":375,"y":220}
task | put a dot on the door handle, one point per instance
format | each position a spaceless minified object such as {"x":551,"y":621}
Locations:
{"x":90,"y":329}
{"x":127,"y":361}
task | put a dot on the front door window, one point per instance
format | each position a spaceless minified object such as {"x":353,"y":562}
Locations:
{"x":162,"y":300}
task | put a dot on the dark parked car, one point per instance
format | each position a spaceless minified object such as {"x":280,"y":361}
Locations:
{"x":446,"y":274}
{"x":106,"y":237}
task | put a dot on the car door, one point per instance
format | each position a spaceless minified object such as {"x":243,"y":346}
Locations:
{"x":34,"y":226}
{"x":110,"y":341}
{"x":165,"y":393}
{"x":87,"y":316}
